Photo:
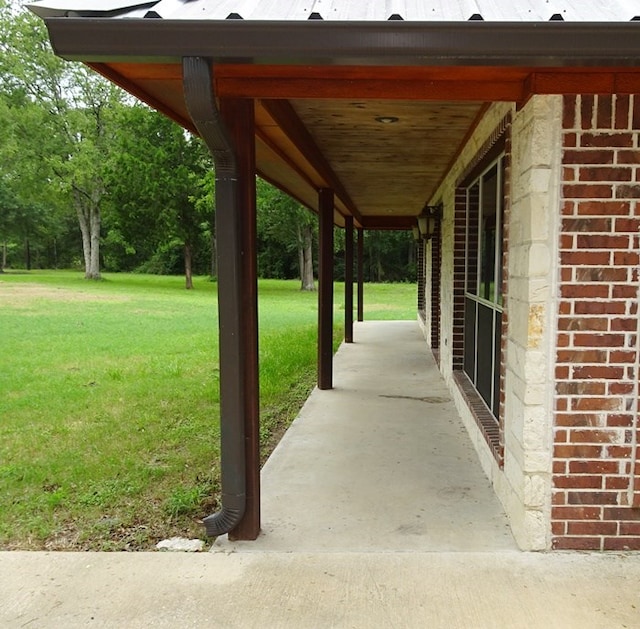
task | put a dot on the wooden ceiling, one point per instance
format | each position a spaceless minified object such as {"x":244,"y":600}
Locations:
{"x":383,"y":158}
{"x":319,"y":127}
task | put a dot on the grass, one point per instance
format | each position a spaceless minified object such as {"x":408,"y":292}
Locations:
{"x":109,"y":421}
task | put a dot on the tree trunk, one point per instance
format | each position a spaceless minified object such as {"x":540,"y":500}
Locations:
{"x":305,"y":251}
{"x":89,"y":221}
{"x":86,"y":239}
{"x":27,"y":254}
{"x":188,"y":274}
{"x":214,"y":271}
{"x":300,"y":256}
{"x":3,"y":265}
{"x":94,"y":269}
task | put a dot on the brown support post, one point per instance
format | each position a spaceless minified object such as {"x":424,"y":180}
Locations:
{"x":348,"y":280}
{"x":238,"y":115}
{"x":360,"y":274}
{"x":325,"y":293}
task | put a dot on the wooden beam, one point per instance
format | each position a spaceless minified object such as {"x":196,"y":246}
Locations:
{"x":238,"y":116}
{"x":431,"y":83}
{"x":388,"y":222}
{"x":474,"y":83}
{"x":348,"y":279}
{"x":422,"y":73}
{"x":286,"y":118}
{"x":266,"y":88}
{"x":462,"y":83}
{"x":571,"y":83}
{"x":325,"y":291}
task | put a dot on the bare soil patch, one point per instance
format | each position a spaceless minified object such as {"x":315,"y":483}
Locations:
{"x":24,"y":294}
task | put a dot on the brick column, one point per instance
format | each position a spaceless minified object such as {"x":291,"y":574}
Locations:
{"x":420,"y":268}
{"x":459,"y":276}
{"x":596,"y":417}
{"x":436,"y":261}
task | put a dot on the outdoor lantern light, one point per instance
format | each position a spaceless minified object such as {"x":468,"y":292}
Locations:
{"x":428,"y":219}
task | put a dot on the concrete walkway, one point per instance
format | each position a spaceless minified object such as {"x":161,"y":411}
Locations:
{"x":376,"y":514}
{"x":380,"y":463}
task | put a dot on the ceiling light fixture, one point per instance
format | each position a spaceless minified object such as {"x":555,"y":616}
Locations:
{"x":387,"y":119}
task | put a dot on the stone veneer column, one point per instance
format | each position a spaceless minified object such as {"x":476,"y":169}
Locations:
{"x":534,"y":216}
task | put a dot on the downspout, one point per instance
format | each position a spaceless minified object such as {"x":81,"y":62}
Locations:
{"x":198,"y":92}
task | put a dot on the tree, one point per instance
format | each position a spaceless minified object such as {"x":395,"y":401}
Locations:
{"x":284,"y":224}
{"x":74,"y":109}
{"x":389,"y":256}
{"x":160,"y":186}
{"x":205,"y":204}
{"x":29,"y":218}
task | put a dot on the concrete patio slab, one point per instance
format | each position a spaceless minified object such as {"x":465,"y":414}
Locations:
{"x":380,"y":463}
{"x":319,"y":590}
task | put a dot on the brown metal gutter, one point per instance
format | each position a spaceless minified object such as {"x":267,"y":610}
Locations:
{"x":198,"y":88}
{"x":324,"y":42}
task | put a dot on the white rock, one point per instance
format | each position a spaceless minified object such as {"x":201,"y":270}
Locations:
{"x":181,"y":544}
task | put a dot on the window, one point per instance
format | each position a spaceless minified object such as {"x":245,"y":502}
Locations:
{"x":483,"y":282}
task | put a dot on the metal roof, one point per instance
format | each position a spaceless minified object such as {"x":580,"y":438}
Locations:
{"x":349,"y":10}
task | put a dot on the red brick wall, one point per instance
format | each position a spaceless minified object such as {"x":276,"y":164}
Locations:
{"x":421,"y":277}
{"x":595,"y":503}
{"x":436,"y":263}
{"x":459,"y":270}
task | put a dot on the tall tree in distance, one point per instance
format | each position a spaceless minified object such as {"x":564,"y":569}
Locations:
{"x":159,"y":182}
{"x":71,"y":142}
{"x":205,"y":204}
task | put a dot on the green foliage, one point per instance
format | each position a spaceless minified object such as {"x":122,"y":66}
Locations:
{"x":389,"y":256}
{"x":283,"y":225}
{"x":61,"y":118}
{"x":159,"y":195}
{"x":77,"y":156}
{"x":188,"y":500}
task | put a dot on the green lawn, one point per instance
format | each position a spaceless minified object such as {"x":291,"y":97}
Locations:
{"x":109,"y":422}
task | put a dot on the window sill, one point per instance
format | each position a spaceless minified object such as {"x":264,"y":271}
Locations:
{"x":484,"y":419}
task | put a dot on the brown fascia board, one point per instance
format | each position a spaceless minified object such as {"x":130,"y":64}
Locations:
{"x":324,"y":42}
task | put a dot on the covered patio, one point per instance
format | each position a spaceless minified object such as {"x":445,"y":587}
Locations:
{"x":513,"y":133}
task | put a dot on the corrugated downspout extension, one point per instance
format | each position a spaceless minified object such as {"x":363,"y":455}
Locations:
{"x":198,"y":91}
